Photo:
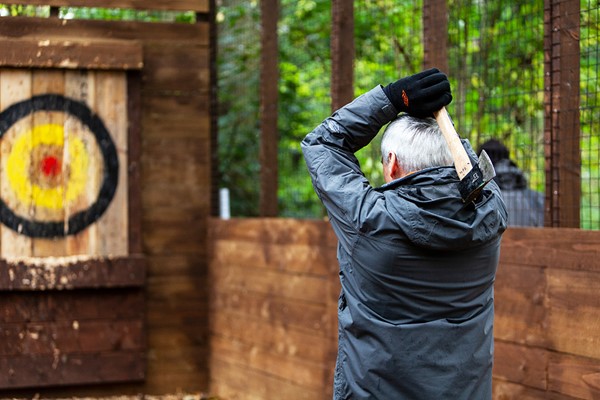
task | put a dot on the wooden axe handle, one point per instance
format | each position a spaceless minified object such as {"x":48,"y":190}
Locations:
{"x":462,"y":162}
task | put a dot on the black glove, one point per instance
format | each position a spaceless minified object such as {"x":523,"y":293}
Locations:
{"x":420,"y":94}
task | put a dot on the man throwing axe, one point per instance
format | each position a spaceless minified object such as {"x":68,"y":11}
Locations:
{"x":417,"y":256}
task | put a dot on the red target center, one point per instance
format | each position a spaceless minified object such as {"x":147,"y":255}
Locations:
{"x":50,"y":166}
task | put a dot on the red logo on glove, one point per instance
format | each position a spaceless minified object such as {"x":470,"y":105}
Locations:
{"x":404,"y":98}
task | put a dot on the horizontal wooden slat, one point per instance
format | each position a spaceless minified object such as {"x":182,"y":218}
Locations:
{"x":503,"y":390}
{"x":275,"y":230}
{"x":237,"y":381}
{"x":560,"y":248}
{"x":275,"y":336}
{"x":521,"y":364}
{"x":70,"y":305}
{"x":172,"y":194}
{"x":574,"y":376}
{"x":27,"y":27}
{"x":304,"y":288}
{"x":72,"y":273}
{"x":300,"y":372}
{"x":175,"y":5}
{"x":71,"y":53}
{"x":304,"y":259}
{"x":302,"y":316}
{"x":173,"y":339}
{"x":547,"y":370}
{"x":37,"y":338}
{"x":521,"y":312}
{"x":173,"y":67}
{"x":185,"y":239}
{"x":184,"y":110}
{"x":68,"y":369}
{"x":574,"y":302}
{"x":177,"y":290}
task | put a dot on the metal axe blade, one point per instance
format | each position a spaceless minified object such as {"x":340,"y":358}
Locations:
{"x":480,"y":175}
{"x":472,"y":178}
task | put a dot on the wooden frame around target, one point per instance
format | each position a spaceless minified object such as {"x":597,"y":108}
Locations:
{"x":64,"y":162}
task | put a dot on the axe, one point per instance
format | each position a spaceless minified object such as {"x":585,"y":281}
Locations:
{"x":472,"y":177}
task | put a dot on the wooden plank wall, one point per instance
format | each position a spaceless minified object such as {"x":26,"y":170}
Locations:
{"x":274,"y":290}
{"x":174,"y":87}
{"x":273,"y":318}
{"x":547,"y":326}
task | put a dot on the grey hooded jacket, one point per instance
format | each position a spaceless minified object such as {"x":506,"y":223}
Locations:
{"x":525,"y":206}
{"x":417,"y":268}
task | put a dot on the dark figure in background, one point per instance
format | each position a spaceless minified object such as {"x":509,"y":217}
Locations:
{"x":416,"y":264}
{"x":525,"y":206}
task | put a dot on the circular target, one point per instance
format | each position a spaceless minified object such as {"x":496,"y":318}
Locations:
{"x":44,"y":170}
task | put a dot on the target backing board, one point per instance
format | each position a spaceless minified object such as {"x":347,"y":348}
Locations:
{"x":63,"y":163}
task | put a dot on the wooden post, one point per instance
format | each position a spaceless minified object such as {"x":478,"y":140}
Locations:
{"x":269,"y":78}
{"x":435,"y":34}
{"x":561,"y":109}
{"x":215,"y":177}
{"x":342,"y":53}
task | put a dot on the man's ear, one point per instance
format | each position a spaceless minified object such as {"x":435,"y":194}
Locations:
{"x":391,"y":170}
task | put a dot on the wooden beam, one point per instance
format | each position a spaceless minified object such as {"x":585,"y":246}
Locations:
{"x":342,"y":53}
{"x":71,"y":369}
{"x":71,"y":53}
{"x":172,"y":5}
{"x":561,"y":100}
{"x":134,"y":149}
{"x":269,"y":79}
{"x":75,"y":272}
{"x":66,"y":29}
{"x":568,"y":248}
{"x":435,"y":34}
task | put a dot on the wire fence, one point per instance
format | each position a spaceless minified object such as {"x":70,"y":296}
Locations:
{"x":238,"y":60}
{"x":590,"y":114}
{"x":305,"y":82}
{"x":495,"y":64}
{"x":389,"y":46}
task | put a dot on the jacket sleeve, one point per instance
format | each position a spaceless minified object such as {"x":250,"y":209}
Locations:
{"x":329,"y":154}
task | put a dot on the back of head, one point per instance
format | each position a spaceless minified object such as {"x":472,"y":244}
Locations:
{"x":417,"y":142}
{"x":495,"y":149}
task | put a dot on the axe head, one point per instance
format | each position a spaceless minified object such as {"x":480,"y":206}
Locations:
{"x":472,"y":184}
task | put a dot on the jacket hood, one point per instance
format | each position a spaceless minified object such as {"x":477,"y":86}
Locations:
{"x":428,"y":208}
{"x":509,"y":176}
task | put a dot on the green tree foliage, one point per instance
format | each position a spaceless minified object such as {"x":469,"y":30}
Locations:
{"x":7,"y":10}
{"x":108,"y":14}
{"x":497,"y":71}
{"x":238,"y":94}
{"x":304,"y":89}
{"x":388,"y":46}
{"x":590,"y":116}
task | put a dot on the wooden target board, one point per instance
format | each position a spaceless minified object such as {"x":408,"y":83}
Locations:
{"x":63,"y":158}
{"x":70,"y":248}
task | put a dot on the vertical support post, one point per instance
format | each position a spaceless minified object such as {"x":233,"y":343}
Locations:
{"x":342,"y":53}
{"x":215,"y":176}
{"x":134,"y":149}
{"x":269,"y":78}
{"x":561,"y":113}
{"x":435,"y":34}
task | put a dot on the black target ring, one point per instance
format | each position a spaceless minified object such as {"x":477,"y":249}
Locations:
{"x":82,"y":219}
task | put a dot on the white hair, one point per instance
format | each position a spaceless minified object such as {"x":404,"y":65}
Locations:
{"x":417,"y":143}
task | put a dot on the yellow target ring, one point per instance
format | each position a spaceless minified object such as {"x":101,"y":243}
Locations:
{"x":21,"y":168}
